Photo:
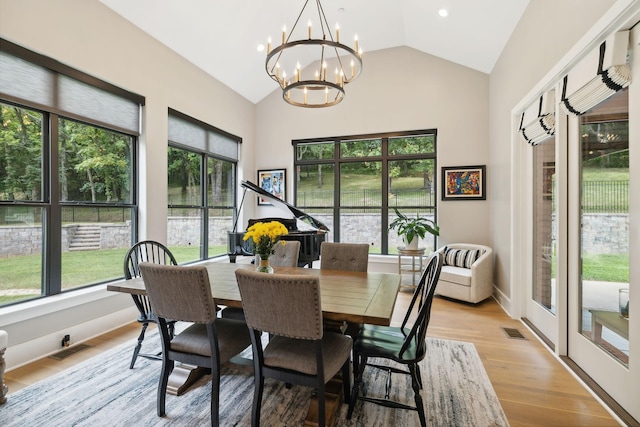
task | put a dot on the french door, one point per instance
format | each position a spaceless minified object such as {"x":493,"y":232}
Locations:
{"x":602,"y":146}
{"x":580,"y":218}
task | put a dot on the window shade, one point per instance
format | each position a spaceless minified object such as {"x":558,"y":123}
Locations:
{"x":39,"y":86}
{"x":538,"y":121}
{"x":190,"y":132}
{"x":598,"y":76}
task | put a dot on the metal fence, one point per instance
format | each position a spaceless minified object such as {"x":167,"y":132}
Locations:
{"x":597,"y":197}
{"x":96,"y":214}
{"x":367,"y":197}
{"x":605,"y":196}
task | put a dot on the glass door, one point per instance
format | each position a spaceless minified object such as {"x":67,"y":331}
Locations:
{"x":604,"y":236}
{"x":600,"y":247}
{"x":542,"y":294}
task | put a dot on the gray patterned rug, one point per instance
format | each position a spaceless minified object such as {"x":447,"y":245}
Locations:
{"x":102,"y":391}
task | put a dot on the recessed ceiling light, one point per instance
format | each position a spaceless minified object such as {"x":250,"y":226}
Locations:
{"x":260,"y":47}
{"x":443,"y":12}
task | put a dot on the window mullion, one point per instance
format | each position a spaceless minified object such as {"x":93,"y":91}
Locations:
{"x":204,"y":189}
{"x":53,"y":242}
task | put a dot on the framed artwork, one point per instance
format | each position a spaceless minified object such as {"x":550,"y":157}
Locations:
{"x":464,"y":183}
{"x":272,"y":181}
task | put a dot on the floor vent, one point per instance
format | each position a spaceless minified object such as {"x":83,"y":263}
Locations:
{"x":513,"y":333}
{"x":68,"y":352}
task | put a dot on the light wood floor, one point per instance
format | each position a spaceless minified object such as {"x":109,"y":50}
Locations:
{"x":532,"y":385}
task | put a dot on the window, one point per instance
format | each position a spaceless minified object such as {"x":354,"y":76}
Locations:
{"x":202,"y":162}
{"x":67,"y":176}
{"x":353,"y":184}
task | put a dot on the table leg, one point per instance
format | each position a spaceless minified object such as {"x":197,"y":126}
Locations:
{"x":183,"y":376}
{"x":596,"y":329}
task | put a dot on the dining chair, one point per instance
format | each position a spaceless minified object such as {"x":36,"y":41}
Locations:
{"x":156,"y":253}
{"x":344,"y":256}
{"x":300,"y":351}
{"x":403,"y":345}
{"x":184,"y":294}
{"x":284,"y":256}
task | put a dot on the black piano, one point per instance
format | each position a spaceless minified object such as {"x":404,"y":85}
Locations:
{"x":310,"y":238}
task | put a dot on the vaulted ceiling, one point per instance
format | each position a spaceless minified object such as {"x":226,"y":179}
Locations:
{"x":222,"y":37}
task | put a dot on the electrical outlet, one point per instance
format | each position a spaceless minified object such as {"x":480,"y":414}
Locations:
{"x":66,"y":341}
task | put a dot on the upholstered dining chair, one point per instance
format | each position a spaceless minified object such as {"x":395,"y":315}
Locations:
{"x":299,"y":351}
{"x":284,"y":256}
{"x":403,"y":345}
{"x":344,"y":256}
{"x":156,"y":253}
{"x":184,"y":294}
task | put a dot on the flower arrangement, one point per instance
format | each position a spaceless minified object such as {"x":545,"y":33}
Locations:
{"x":265,"y":235}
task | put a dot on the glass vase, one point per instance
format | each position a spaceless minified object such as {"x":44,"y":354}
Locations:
{"x":264,"y":266}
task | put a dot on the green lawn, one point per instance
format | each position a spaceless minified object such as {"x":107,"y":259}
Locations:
{"x":605,"y":174}
{"x":79,"y":268}
{"x":606,"y":268}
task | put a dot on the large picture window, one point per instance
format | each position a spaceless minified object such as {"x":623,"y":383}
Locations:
{"x":67,"y":176}
{"x":353,"y":184}
{"x":202,"y":163}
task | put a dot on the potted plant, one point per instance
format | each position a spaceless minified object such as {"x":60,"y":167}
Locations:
{"x":413,"y":229}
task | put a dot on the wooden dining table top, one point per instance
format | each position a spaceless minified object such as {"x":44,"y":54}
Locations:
{"x":345,"y":296}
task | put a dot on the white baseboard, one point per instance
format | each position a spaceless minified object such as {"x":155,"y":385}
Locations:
{"x":503,"y":301}
{"x":46,"y":345}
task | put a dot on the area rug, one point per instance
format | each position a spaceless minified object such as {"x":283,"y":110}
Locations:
{"x":102,"y":391}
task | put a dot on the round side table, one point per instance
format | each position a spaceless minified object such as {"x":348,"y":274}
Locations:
{"x":410,"y":261}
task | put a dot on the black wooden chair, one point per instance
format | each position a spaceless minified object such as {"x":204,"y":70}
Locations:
{"x":156,"y":253}
{"x":299,"y":351}
{"x":184,"y":294}
{"x":402,"y":345}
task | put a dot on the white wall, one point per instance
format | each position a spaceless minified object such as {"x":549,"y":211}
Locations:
{"x":88,"y":36}
{"x":399,"y":89}
{"x":546,"y":32}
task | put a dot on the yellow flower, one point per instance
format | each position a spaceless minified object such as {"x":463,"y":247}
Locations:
{"x":265,"y":235}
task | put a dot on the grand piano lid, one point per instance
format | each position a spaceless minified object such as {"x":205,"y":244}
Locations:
{"x":297,"y":213}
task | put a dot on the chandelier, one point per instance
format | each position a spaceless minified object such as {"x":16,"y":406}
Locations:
{"x":315,"y":87}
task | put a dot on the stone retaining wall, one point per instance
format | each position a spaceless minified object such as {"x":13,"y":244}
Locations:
{"x":606,"y":233}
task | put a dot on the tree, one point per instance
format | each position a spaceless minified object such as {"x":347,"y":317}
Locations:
{"x":20,"y":153}
{"x":101,"y":156}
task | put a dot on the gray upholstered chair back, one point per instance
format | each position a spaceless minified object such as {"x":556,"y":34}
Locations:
{"x":285,"y":305}
{"x":179,"y":293}
{"x":344,"y":256}
{"x":286,"y":255}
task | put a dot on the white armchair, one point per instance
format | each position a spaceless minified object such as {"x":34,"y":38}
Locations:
{"x":465,"y":277}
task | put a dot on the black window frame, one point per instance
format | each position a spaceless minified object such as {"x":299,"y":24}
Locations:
{"x":204,"y":206}
{"x":50,"y":203}
{"x":336,"y":161}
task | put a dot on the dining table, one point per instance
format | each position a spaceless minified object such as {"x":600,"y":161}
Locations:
{"x":346,"y":297}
